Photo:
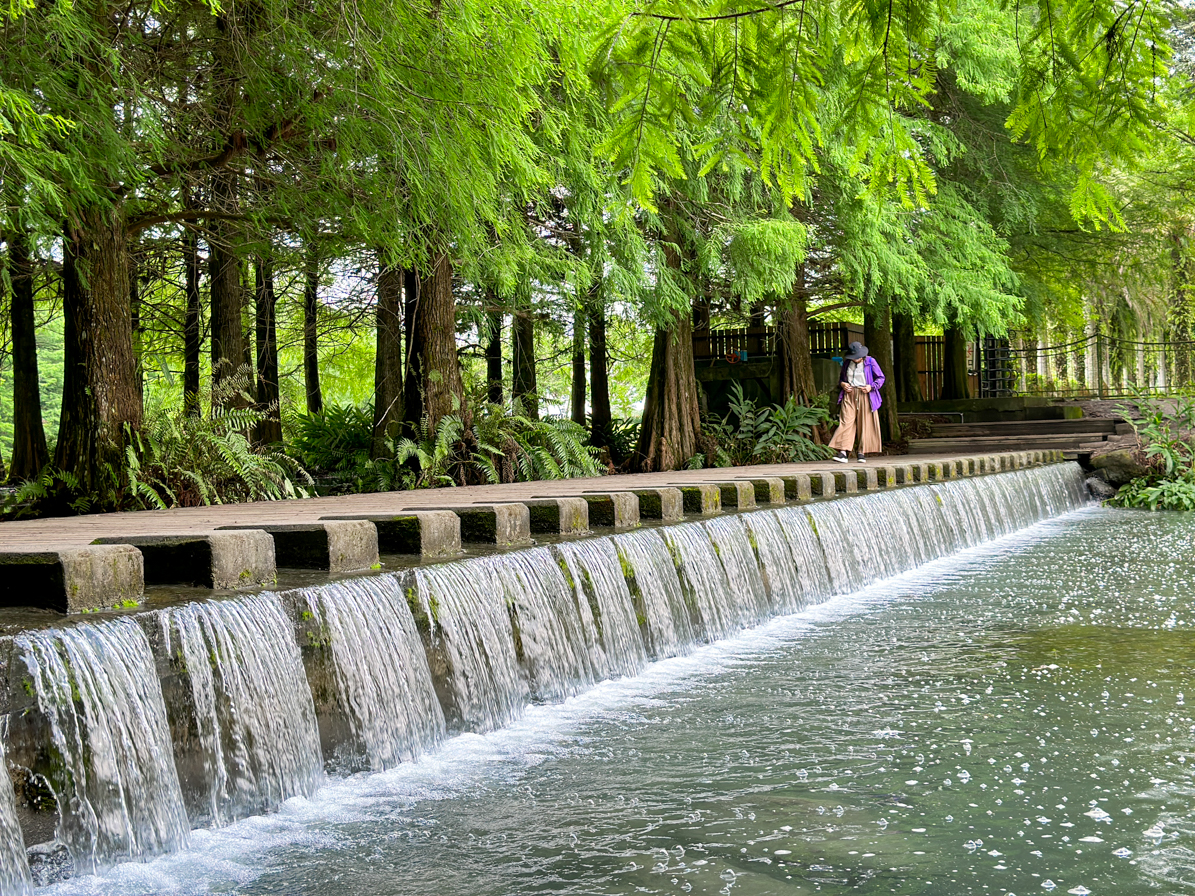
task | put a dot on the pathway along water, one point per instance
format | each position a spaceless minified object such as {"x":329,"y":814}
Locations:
{"x":703,"y":756}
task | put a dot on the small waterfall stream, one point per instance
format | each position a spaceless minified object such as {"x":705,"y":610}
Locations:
{"x":470,"y":644}
{"x":598,"y":582}
{"x":111,"y":773}
{"x":381,"y":682}
{"x":251,"y":708}
{"x":461,"y":646}
{"x":15,"y":879}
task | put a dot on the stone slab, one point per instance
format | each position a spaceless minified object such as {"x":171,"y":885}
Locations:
{"x":665,"y":504}
{"x":558,"y":516}
{"x":768,"y":490}
{"x":427,"y":533}
{"x":737,"y":495}
{"x":508,"y":525}
{"x":617,"y":510}
{"x":340,"y":546}
{"x":869,"y":479}
{"x":885,"y":476}
{"x":797,"y":487}
{"x":823,"y":484}
{"x":73,"y":579}
{"x":241,"y":559}
{"x":703,"y":499}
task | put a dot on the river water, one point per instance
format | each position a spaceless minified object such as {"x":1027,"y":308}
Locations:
{"x":1012,"y":719}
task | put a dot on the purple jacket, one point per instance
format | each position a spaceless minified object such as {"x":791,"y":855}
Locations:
{"x":872,"y":375}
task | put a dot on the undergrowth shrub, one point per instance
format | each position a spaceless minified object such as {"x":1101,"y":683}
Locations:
{"x":1165,"y":428}
{"x":751,"y":434}
{"x":337,"y":440}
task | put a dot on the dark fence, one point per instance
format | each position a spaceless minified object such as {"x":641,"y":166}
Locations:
{"x":714,"y":344}
{"x":1101,"y":366}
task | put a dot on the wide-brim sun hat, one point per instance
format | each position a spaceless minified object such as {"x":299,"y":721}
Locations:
{"x":856,"y":351}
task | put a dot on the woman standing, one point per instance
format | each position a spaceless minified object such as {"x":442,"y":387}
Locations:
{"x":858,"y":401}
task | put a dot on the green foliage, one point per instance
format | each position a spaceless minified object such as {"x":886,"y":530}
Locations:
{"x":1165,"y":431}
{"x":750,"y":434}
{"x":335,"y":441}
{"x":514,"y":448}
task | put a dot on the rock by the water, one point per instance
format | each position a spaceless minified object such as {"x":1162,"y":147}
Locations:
{"x":1117,"y":468}
{"x":1099,"y":489}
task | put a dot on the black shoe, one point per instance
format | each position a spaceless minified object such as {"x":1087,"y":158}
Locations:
{"x":841,"y":457}
{"x":862,"y":459}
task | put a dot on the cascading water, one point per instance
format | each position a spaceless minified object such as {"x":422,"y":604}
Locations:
{"x":550,"y":636}
{"x":470,"y":640}
{"x":110,"y":770}
{"x":15,"y":879}
{"x":598,"y":583}
{"x":659,"y":600}
{"x":251,"y":707}
{"x":381,"y":681}
{"x":467,"y":642}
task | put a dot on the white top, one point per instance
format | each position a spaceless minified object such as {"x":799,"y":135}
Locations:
{"x":855,"y":374}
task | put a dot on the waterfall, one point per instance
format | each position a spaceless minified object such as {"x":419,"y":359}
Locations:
{"x":15,"y":879}
{"x":470,"y":643}
{"x":659,"y":600}
{"x":110,"y":767}
{"x":251,"y":710}
{"x":398,"y":660}
{"x":598,"y":582}
{"x":379,"y":677}
{"x":550,"y":633}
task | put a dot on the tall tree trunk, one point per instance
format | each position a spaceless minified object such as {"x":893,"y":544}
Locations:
{"x":138,"y":329}
{"x":877,"y":334}
{"x":600,"y":417}
{"x":908,"y":383}
{"x":412,"y":390}
{"x":796,"y":361}
{"x":192,"y":328}
{"x":523,"y":387}
{"x":29,"y":452}
{"x":225,"y":281}
{"x":248,"y":313}
{"x":578,"y":391}
{"x":269,"y":430}
{"x":493,"y":359}
{"x":387,"y":372}
{"x":955,"y":382}
{"x":671,"y":430}
{"x":432,"y":357}
{"x":99,"y":393}
{"x":315,"y":395}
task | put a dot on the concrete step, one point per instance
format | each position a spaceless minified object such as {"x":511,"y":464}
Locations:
{"x":1003,"y":443}
{"x":1026,"y":427}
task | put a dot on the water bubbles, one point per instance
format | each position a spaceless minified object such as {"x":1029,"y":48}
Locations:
{"x":802,"y":774}
{"x":1099,"y":814}
{"x":964,"y":776}
{"x":728,"y":875}
{"x":1048,"y":884}
{"x":1155,"y":832}
{"x":1122,"y":853}
{"x":1041,"y":819}
{"x":1079,"y":890}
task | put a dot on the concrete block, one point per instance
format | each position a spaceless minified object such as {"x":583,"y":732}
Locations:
{"x":846,"y":482}
{"x":619,"y":510}
{"x":243,"y":559}
{"x":73,"y":579}
{"x":559,"y":516}
{"x":428,"y":533}
{"x":904,"y":474}
{"x":769,"y":490}
{"x":337,"y":546}
{"x":508,"y":525}
{"x":703,"y":499}
{"x":797,"y":487}
{"x":933,"y":471}
{"x":667,"y":504}
{"x":920,"y":472}
{"x":737,"y":495}
{"x":885,"y":476}
{"x":822,"y":484}
{"x":869,"y":479}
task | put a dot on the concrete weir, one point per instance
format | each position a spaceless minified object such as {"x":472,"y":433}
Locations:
{"x":212,"y":710}
{"x":106,"y":561}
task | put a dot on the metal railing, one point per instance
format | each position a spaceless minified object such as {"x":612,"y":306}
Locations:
{"x":1101,"y":366}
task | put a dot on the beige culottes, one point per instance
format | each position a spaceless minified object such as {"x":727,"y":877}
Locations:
{"x":856,"y":418}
